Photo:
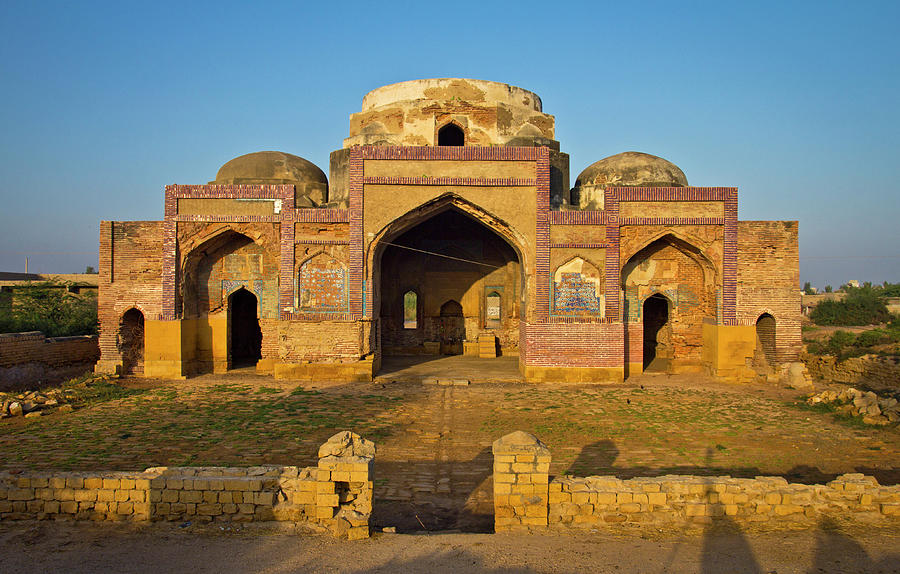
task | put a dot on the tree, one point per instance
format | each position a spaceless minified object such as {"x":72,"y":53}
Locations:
{"x":90,"y":270}
{"x":860,"y":306}
{"x":828,"y":288}
{"x":807,"y":288}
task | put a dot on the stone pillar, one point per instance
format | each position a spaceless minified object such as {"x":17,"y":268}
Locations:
{"x":344,"y":485}
{"x":521,"y":478}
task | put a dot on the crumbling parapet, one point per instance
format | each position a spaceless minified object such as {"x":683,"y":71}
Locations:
{"x":344,"y":486}
{"x":521,"y":478}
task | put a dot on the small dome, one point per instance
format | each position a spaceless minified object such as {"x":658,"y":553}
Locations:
{"x":270,"y":167}
{"x":632,"y":169}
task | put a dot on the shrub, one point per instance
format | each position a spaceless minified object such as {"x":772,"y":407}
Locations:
{"x":51,"y":309}
{"x":861,"y":306}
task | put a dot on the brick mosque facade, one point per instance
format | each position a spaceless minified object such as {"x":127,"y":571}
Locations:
{"x":447,"y":225}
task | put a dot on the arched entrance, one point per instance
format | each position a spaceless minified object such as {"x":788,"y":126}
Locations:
{"x":131,"y":342}
{"x":244,"y":334}
{"x":657,"y":350}
{"x":765,"y":336}
{"x":450,"y":264}
{"x":453,"y":328}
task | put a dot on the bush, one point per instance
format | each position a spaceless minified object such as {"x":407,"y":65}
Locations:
{"x":861,"y":306}
{"x":51,"y":309}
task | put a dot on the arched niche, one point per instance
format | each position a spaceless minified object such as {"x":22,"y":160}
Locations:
{"x":131,"y":341}
{"x":322,"y":285}
{"x":451,"y":135}
{"x":578,"y":289}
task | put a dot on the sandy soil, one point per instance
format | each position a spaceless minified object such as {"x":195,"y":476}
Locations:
{"x":127,"y":548}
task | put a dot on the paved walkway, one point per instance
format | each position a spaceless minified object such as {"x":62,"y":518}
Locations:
{"x":417,"y":369}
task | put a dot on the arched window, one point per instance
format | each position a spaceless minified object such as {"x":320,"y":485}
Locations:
{"x":410,"y":310}
{"x":451,"y":134}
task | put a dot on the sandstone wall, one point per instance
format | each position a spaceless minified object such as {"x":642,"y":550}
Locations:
{"x":876,"y":373}
{"x":335,"y":495}
{"x":526,"y":498}
{"x":29,"y":359}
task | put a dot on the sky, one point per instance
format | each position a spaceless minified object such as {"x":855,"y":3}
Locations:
{"x":794,"y":103}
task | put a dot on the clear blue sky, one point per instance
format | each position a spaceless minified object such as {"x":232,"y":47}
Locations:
{"x":795,"y":103}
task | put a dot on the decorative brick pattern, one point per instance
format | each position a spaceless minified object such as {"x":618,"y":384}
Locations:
{"x":464,"y":153}
{"x":578,"y":217}
{"x":574,"y":344}
{"x":729,"y":260}
{"x":286,"y":269}
{"x":542,"y":236}
{"x":672,"y":193}
{"x":672,"y":221}
{"x":357,"y":285}
{"x":612,"y":271}
{"x":467,"y":181}
{"x":579,"y":245}
{"x":308,"y":215}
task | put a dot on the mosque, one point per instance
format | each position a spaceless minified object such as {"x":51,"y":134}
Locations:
{"x":447,"y":226}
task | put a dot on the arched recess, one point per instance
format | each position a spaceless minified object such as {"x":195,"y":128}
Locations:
{"x":410,"y":310}
{"x":577,"y":289}
{"x":671,"y":266}
{"x":131,"y":341}
{"x":451,"y":134}
{"x":449,"y":249}
{"x":766,"y":338}
{"x":453,"y":328}
{"x":244,"y":333}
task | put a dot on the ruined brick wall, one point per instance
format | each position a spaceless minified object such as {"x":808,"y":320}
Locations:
{"x":574,"y":344}
{"x":29,"y":359}
{"x":769,"y":281}
{"x":130,"y":277}
{"x":321,"y":341}
{"x":526,"y":498}
{"x":876,"y":373}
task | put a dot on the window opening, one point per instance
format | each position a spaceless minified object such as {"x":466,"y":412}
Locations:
{"x":451,"y":135}
{"x":410,"y":310}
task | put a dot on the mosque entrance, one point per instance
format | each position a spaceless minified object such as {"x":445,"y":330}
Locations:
{"x":656,"y":317}
{"x":244,"y":333}
{"x":444,"y":281}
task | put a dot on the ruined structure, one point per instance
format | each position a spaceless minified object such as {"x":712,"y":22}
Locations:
{"x":448,"y":226}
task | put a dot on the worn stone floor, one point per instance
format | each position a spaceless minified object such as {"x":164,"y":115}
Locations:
{"x":432,"y":470}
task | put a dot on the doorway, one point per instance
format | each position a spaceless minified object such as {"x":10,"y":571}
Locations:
{"x":245,"y":335}
{"x":656,"y":318}
{"x":453,"y":328}
{"x":131,"y":342}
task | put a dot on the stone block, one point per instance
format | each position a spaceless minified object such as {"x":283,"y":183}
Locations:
{"x":155,"y":496}
{"x":359,"y":476}
{"x":535,"y":520}
{"x":212,"y":496}
{"x":105,"y":495}
{"x":158,"y":483}
{"x":501,"y":458}
{"x":630,"y":508}
{"x":234,"y":484}
{"x":174,"y":483}
{"x":121,"y":495}
{"x":65,"y":494}
{"x":695,"y":509}
{"x":325,"y":487}
{"x":216,"y":484}
{"x":111,"y":483}
{"x":358,"y":533}
{"x":127,"y":483}
{"x":201,"y":484}
{"x":656,"y":498}
{"x":330,"y":500}
{"x":890,"y":509}
{"x":865,"y":499}
{"x":504,"y":477}
{"x":503,"y":467}
{"x":68,"y":507}
{"x":190,"y":496}
{"x":50,"y":507}
{"x":209,"y":509}
{"x":78,"y":482}
{"x":324,"y":512}
{"x":85,"y":495}
{"x":20,"y":494}
{"x":246,"y":508}
{"x":624,"y":497}
{"x":229,"y":508}
{"x":170,"y":496}
{"x":773,"y":498}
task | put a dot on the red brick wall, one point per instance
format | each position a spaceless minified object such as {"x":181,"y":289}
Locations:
{"x":130,"y":276}
{"x":573,"y":344}
{"x":769,"y":280}
{"x":28,"y":358}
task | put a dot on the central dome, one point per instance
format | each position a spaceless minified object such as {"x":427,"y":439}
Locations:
{"x":452,"y":89}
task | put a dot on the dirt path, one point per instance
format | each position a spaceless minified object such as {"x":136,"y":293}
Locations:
{"x":77,"y":548}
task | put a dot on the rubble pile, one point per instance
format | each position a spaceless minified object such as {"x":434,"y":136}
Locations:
{"x":873,"y":409}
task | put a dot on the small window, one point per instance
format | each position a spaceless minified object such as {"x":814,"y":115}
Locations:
{"x":492,"y":313}
{"x":452,"y":135}
{"x":410,"y":310}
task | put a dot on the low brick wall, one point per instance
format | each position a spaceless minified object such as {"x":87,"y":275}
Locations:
{"x":29,"y":359}
{"x":336,"y":495}
{"x":525,"y":498}
{"x":876,"y":373}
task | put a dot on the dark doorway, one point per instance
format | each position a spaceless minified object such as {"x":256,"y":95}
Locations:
{"x":131,"y":342}
{"x":656,"y":316}
{"x":765,"y":333}
{"x":451,"y":135}
{"x":453,"y":328}
{"x":244,"y":332}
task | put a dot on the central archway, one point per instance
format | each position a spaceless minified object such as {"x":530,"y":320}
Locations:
{"x":447,"y":250}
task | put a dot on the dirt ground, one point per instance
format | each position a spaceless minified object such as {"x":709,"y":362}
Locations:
{"x":86,"y":547}
{"x":433,"y":466}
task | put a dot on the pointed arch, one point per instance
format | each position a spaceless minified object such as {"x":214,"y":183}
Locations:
{"x":451,"y":134}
